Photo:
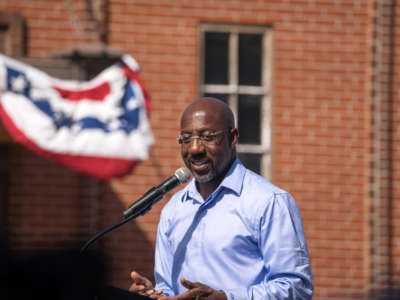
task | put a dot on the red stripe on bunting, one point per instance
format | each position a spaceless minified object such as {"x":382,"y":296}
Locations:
{"x":97,"y":93}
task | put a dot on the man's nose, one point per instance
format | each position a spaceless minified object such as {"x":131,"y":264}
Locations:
{"x":196,"y":146}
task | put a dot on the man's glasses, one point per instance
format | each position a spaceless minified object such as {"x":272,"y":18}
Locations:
{"x":209,"y":138}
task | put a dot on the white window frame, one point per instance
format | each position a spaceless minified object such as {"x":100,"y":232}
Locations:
{"x":233,"y":89}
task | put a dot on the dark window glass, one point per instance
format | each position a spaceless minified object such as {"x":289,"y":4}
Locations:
{"x":216,"y":58}
{"x":3,"y":38}
{"x":249,"y":120}
{"x":222,"y":97}
{"x":250,"y":49}
{"x":251,"y":161}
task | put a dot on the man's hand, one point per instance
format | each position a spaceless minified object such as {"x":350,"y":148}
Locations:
{"x":197,"y":291}
{"x":143,"y":286}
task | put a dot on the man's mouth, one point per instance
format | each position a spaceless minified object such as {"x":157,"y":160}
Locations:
{"x":200,"y":165}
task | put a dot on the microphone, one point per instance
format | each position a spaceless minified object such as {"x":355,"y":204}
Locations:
{"x":155,"y":194}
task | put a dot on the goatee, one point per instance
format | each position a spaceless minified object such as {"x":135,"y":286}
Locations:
{"x":205,"y":178}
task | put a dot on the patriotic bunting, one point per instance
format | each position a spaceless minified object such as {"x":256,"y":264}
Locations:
{"x":98,"y":127}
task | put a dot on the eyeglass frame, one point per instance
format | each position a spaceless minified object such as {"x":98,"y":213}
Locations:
{"x":200,"y":137}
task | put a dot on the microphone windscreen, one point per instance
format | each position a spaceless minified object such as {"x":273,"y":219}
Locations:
{"x":182,"y":174}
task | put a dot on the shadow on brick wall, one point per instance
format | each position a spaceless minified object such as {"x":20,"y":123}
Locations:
{"x":46,"y":207}
{"x":128,"y":247}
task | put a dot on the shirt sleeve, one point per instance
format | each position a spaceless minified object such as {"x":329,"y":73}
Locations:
{"x":163,"y":259}
{"x":283,"y":247}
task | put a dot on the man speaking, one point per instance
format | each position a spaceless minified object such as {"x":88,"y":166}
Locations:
{"x":229,"y":234}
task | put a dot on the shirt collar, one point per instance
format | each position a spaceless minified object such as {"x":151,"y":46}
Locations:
{"x":233,"y":181}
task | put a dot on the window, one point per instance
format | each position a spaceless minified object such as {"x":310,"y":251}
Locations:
{"x":12,"y":41}
{"x":236,"y":68}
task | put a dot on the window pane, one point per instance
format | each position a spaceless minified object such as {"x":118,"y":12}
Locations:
{"x":249,"y":119}
{"x":251,"y":161}
{"x":222,"y":97}
{"x":3,"y":38}
{"x":216,"y":58}
{"x":250,"y":49}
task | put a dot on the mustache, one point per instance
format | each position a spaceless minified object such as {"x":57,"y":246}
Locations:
{"x":197,"y":157}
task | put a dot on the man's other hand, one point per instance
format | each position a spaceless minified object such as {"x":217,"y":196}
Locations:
{"x":197,"y":291}
{"x":143,"y":286}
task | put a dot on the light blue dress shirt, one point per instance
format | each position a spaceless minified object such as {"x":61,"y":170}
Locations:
{"x":246,"y":239}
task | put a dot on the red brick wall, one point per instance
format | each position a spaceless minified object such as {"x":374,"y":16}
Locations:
{"x":381,"y":157}
{"x":396,"y":152}
{"x":321,"y":138}
{"x":45,"y":207}
{"x":322,"y":86}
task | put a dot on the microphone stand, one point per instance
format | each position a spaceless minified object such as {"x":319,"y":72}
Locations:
{"x":134,"y":215}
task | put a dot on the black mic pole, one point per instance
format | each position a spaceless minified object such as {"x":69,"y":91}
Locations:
{"x":115,"y":226}
{"x":145,"y":203}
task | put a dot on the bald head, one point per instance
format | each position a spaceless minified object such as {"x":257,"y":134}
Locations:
{"x":212,"y":107}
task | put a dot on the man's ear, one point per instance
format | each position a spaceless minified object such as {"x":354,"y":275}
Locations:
{"x":234,"y":134}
